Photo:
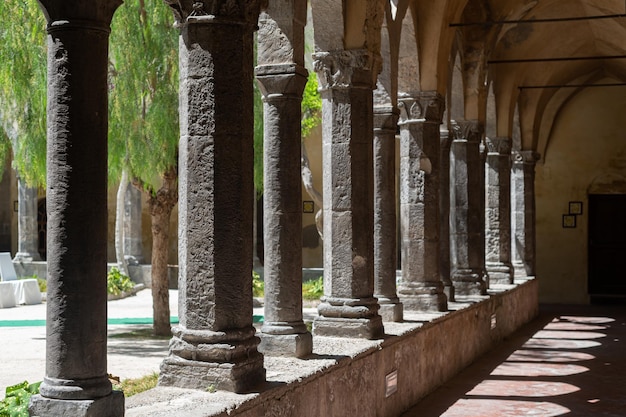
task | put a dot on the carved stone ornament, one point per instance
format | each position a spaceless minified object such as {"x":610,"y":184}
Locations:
{"x":469,"y":130}
{"x":526,"y":157}
{"x":426,"y":105}
{"x":186,"y":10}
{"x":498,"y":145}
{"x":346,"y":68}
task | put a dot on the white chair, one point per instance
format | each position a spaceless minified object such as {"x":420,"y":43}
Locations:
{"x":7,"y":295}
{"x":26,"y":291}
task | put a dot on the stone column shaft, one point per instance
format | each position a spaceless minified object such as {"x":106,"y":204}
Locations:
{"x":523,"y":202}
{"x":444,"y":210}
{"x":28,"y":236}
{"x":498,"y":211}
{"x":385,"y":247}
{"x":215,"y":342}
{"x":466,"y":214}
{"x":133,"y":245}
{"x":76,"y":381}
{"x":348,"y":307}
{"x":421,"y":287}
{"x":282,"y":79}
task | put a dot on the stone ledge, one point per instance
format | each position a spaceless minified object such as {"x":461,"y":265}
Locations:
{"x":346,"y":376}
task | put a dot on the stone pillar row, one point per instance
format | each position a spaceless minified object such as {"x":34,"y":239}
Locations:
{"x":523,"y":207}
{"x":28,"y":236}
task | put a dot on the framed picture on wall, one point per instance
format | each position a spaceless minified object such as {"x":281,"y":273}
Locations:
{"x":576,"y":207}
{"x":569,"y":221}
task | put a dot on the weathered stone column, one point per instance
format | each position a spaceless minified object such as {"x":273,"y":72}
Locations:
{"x":421,"y":287}
{"x":76,"y":382}
{"x":348,"y":307}
{"x":466,"y":233}
{"x":282,"y":77}
{"x":498,"y":211}
{"x":523,"y":202}
{"x":215,"y":344}
{"x":444,"y":212}
{"x":133,"y":245}
{"x":27,"y":241}
{"x":385,"y":247}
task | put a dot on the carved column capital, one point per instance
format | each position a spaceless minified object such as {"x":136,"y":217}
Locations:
{"x":95,"y":14}
{"x":498,"y":145}
{"x":466,"y":130}
{"x":347,"y":68}
{"x":526,"y":157}
{"x":386,"y":119}
{"x":424,"y":106}
{"x":282,"y":80}
{"x":210,"y":11}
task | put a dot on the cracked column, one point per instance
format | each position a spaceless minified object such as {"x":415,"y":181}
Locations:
{"x":76,"y":382}
{"x":282,"y":77}
{"x":498,"y":211}
{"x":28,"y":236}
{"x":385,"y":247}
{"x":466,"y":233}
{"x":523,"y":203}
{"x":444,"y":212}
{"x":421,"y":287}
{"x":348,"y":307}
{"x":215,"y":344}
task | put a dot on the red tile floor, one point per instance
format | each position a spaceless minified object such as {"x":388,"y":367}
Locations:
{"x":570,"y":361}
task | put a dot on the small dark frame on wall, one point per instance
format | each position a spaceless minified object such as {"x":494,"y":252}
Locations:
{"x":569,"y":221}
{"x":576,"y":207}
{"x":308,"y":207}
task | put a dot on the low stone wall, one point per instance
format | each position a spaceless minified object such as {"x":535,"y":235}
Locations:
{"x":346,"y":377}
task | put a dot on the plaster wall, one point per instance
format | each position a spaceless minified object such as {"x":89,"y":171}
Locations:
{"x":588,"y":143}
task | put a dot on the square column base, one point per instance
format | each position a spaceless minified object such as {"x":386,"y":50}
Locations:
{"x":110,"y":406}
{"x":365,"y":328}
{"x":499,"y":273}
{"x":240,"y":377}
{"x":296,"y":345}
{"x":392,"y":312}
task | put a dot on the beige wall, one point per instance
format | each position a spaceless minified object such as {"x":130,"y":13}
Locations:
{"x":588,"y":142}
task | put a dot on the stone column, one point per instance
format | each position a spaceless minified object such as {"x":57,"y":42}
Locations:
{"x":420,"y":116}
{"x":467,"y":239}
{"x":444,"y":213}
{"x":76,"y":382}
{"x":498,"y":211}
{"x":133,"y":245}
{"x":385,"y":247}
{"x":523,"y":202}
{"x":348,"y":307}
{"x":282,"y":77}
{"x":215,"y":344}
{"x":27,"y":241}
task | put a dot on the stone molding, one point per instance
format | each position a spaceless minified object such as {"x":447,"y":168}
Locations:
{"x":215,"y":11}
{"x":425,"y":106}
{"x":346,"y":68}
{"x":498,"y":145}
{"x":526,"y":157}
{"x":386,"y":119}
{"x":466,"y":130}
{"x":95,"y":15}
{"x":281,"y":81}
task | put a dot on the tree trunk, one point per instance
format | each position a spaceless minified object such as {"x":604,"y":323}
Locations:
{"x":161,"y":205}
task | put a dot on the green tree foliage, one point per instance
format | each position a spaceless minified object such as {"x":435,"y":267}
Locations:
{"x":311,"y":105}
{"x":23,"y":88}
{"x":143,"y":98}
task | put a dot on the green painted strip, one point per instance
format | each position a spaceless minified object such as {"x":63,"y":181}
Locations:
{"x":113,"y":321}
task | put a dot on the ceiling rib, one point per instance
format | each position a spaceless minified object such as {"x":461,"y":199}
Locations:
{"x":528,"y":87}
{"x":555,"y":59}
{"x":551,"y":20}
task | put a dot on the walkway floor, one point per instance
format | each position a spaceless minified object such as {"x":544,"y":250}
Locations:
{"x":570,"y":361}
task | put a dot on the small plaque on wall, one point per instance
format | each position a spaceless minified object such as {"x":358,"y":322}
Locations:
{"x":308,"y":207}
{"x":575,"y":207}
{"x":569,"y":221}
